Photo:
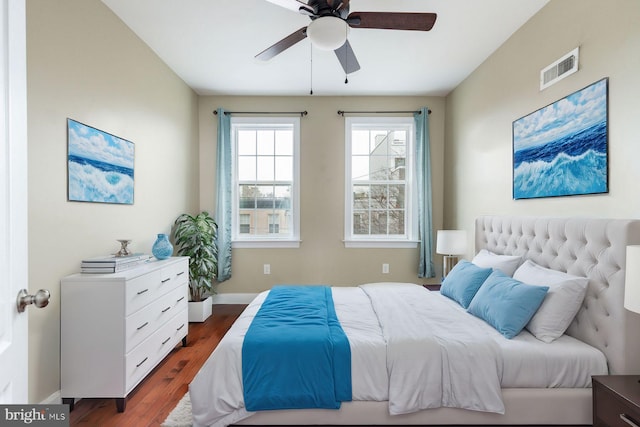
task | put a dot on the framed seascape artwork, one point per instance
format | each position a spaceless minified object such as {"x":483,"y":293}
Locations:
{"x":561,"y":149}
{"x":100,"y":166}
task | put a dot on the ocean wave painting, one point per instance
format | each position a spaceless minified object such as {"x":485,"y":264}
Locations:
{"x":100,"y":165}
{"x":561,"y":149}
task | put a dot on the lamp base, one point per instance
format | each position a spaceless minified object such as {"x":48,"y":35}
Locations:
{"x":448,"y":262}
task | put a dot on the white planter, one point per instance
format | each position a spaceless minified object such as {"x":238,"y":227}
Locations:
{"x":200,"y":311}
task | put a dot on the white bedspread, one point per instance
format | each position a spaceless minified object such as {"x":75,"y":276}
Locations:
{"x":414,"y":322}
{"x":435,"y":356}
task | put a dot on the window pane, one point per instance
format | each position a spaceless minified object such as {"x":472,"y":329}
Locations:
{"x":380,"y":140}
{"x":360,"y":142}
{"x":361,"y":197}
{"x":360,"y":168}
{"x":396,"y":196}
{"x":265,"y":196}
{"x":245,"y":223}
{"x":247,"y":195}
{"x":246,"y":142}
{"x":282,"y":196}
{"x":360,"y":222}
{"x":284,"y":168}
{"x":379,"y":197}
{"x":284,"y":142}
{"x":379,"y":167}
{"x":246,"y":168}
{"x":379,"y":222}
{"x":266,"y":142}
{"x":265,"y":168}
{"x":396,"y":222}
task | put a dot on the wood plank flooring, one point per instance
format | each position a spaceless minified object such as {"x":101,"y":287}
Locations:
{"x":152,"y":401}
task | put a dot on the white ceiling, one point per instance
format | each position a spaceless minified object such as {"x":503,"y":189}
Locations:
{"x":211,"y":45}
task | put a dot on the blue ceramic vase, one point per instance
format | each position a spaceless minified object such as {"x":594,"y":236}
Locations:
{"x":162,"y":248}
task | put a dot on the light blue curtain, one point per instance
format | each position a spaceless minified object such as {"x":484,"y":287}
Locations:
{"x":223,"y":206}
{"x":423,"y":177}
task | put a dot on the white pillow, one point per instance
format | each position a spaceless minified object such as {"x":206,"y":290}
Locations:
{"x":505,"y":263}
{"x":563,"y":300}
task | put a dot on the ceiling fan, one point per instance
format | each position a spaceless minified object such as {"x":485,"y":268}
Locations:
{"x":330,"y":23}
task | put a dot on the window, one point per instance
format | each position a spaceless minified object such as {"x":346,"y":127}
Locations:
{"x":265,"y":175}
{"x":380,"y":195}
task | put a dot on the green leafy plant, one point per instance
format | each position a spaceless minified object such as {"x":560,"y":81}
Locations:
{"x":195,"y":237}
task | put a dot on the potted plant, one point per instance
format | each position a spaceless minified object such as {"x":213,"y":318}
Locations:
{"x":195,"y":237}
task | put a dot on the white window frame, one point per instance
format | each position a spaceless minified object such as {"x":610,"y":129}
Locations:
{"x":243,"y":240}
{"x":410,"y":238}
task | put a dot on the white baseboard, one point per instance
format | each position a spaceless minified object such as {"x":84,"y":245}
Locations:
{"x":233,"y":298}
{"x":54,"y":399}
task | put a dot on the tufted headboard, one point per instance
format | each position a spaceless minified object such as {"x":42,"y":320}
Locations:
{"x":592,"y":248}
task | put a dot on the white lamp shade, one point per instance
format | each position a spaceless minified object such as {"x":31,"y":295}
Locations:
{"x":451,"y":242}
{"x":632,"y":279}
{"x":328,"y":32}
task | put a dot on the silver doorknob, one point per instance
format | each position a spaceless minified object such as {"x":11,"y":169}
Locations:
{"x":40,"y":299}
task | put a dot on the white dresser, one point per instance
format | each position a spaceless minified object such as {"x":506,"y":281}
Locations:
{"x":115,"y":328}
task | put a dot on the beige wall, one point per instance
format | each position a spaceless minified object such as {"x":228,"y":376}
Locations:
{"x":84,"y":63}
{"x":481,"y":110}
{"x":322,"y":257}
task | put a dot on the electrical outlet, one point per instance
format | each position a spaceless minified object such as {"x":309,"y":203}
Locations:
{"x":267,"y":269}
{"x":385,"y":268}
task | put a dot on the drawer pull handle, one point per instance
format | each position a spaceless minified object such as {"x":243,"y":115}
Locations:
{"x":180,"y":274}
{"x":166,"y":309}
{"x":143,"y":360}
{"x":143,"y":325}
{"x":181,"y":326}
{"x":142,"y":291}
{"x":166,"y":280}
{"x":180,"y":299}
{"x":166,"y":341}
{"x":628,"y":420}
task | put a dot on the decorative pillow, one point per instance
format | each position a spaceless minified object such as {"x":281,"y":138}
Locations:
{"x":463,"y":281}
{"x":563,"y":300}
{"x":505,"y":263}
{"x":506,"y":304}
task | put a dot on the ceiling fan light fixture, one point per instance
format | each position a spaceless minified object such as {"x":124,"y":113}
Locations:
{"x":328,"y":32}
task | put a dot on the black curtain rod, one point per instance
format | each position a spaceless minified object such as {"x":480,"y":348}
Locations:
{"x":226,"y":113}
{"x":342,"y":113}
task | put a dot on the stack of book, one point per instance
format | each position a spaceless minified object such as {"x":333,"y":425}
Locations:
{"x":112,"y":263}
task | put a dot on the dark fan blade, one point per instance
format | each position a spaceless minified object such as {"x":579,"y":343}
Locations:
{"x":283,"y":44}
{"x":294,"y":5}
{"x":347,"y":58}
{"x":392,"y":20}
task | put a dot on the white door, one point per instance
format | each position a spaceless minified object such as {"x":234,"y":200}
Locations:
{"x":13,"y":202}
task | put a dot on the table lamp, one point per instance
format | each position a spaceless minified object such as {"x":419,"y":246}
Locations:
{"x":632,"y":279}
{"x":450,"y":243}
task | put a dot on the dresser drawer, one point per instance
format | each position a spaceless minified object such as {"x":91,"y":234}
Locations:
{"x":140,"y":291}
{"x":144,"y":322}
{"x":611,"y":410}
{"x":145,"y":356}
{"x":173,"y":275}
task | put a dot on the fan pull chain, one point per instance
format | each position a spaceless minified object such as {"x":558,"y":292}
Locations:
{"x":311,"y":69}
{"x":346,"y":55}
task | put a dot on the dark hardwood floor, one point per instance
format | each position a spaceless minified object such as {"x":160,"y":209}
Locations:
{"x":155,"y":397}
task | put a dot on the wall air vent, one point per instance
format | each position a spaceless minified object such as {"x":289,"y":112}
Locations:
{"x":563,"y":67}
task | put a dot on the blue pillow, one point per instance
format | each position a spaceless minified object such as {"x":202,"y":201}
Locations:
{"x":463,"y":281}
{"x":506,"y":304}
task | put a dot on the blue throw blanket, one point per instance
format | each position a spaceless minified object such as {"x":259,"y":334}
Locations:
{"x":295,"y":354}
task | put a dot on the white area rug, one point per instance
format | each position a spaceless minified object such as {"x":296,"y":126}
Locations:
{"x":181,"y":414}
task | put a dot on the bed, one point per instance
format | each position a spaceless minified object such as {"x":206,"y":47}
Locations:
{"x":602,"y":330}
